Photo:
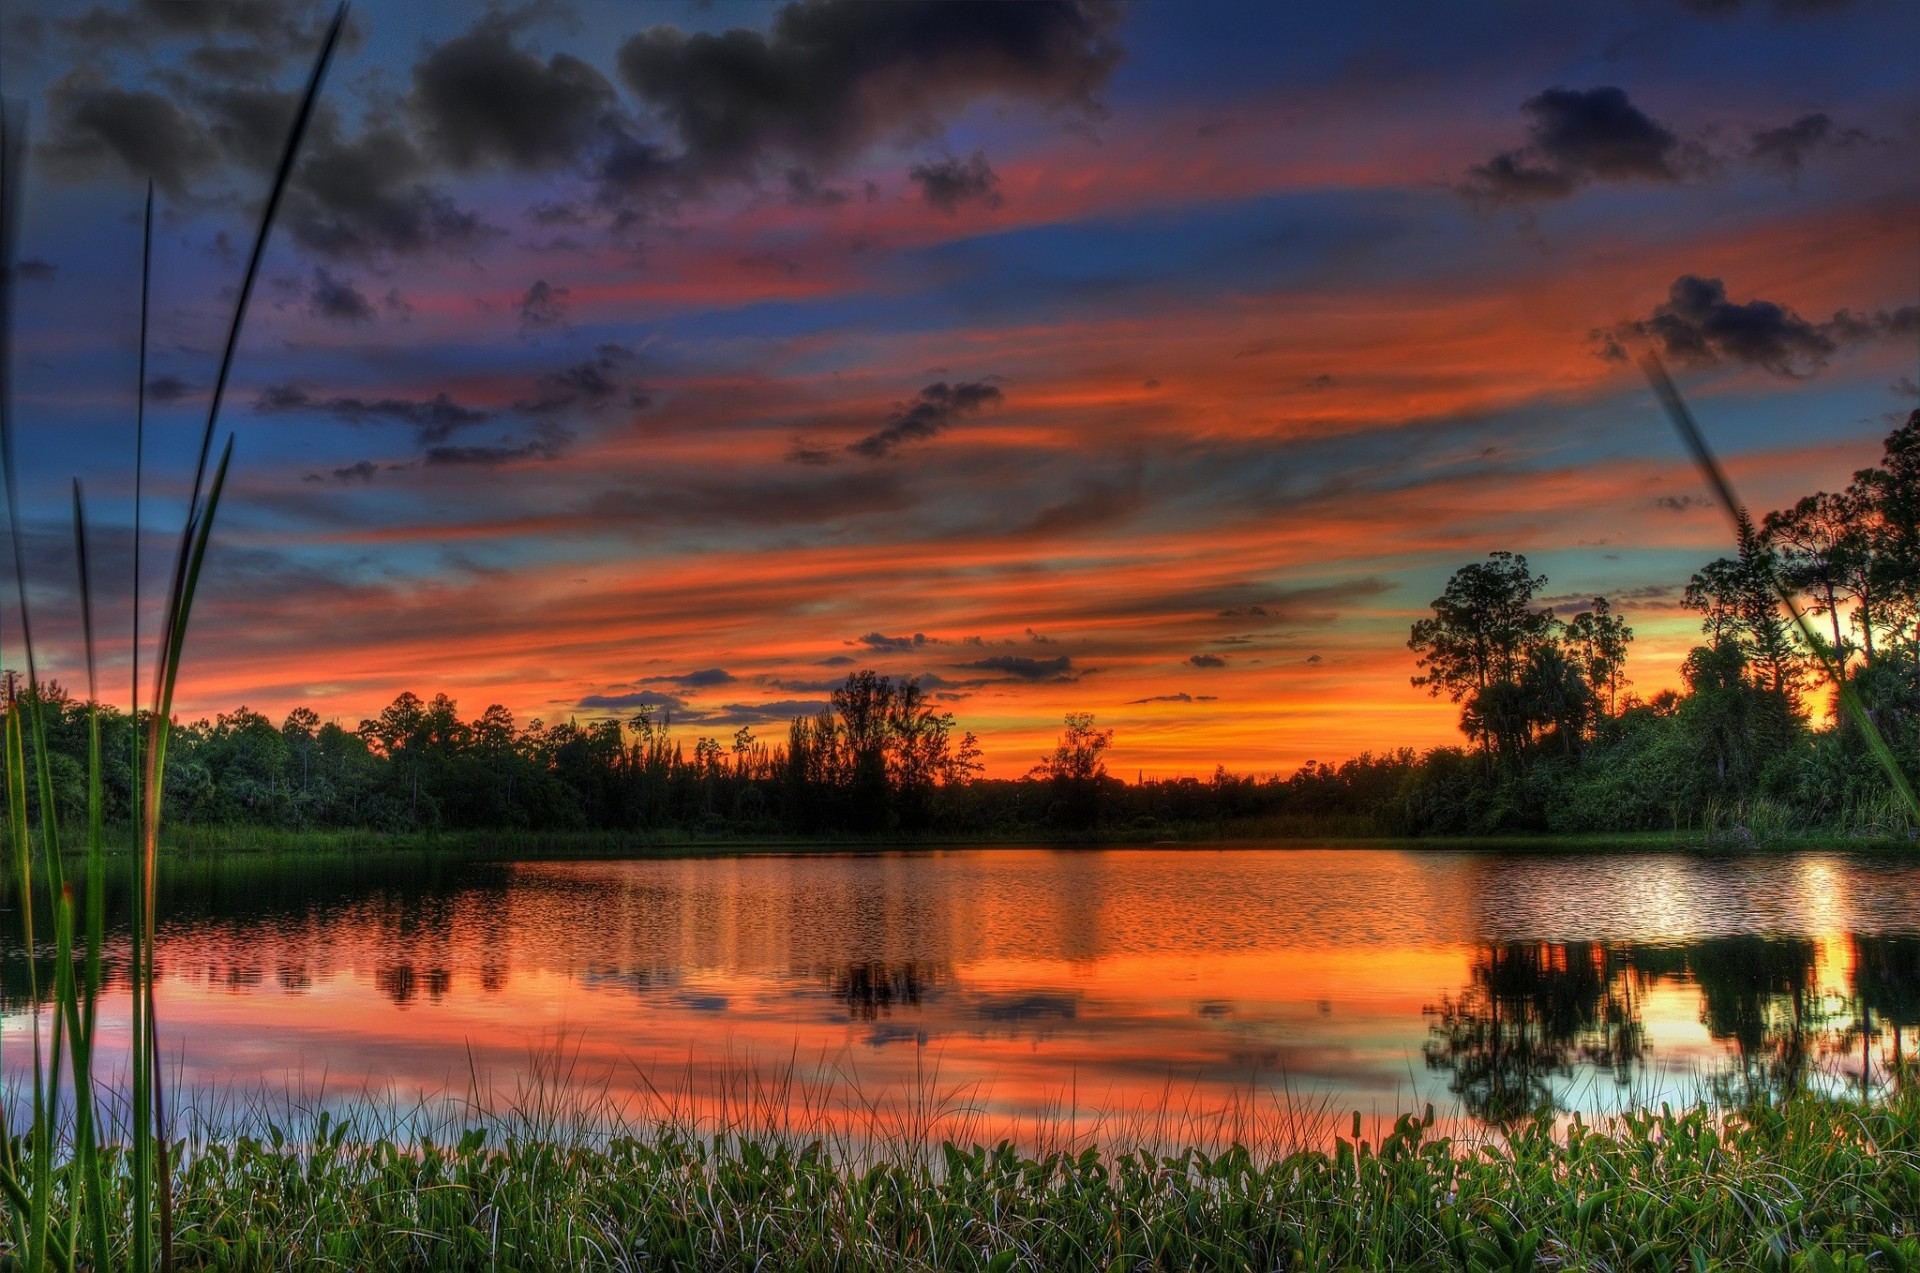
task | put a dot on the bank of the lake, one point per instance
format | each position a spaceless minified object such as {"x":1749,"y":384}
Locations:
{"x":1808,"y":1184}
{"x":243,"y":838}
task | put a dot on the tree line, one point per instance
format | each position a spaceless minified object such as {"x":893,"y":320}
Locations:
{"x":1557,"y":740}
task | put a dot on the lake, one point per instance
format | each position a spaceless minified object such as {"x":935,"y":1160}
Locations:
{"x":1054,"y":996}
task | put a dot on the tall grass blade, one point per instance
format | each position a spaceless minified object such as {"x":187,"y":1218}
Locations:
{"x":1696,"y":444}
{"x":198,"y":526}
{"x":89,"y":1158}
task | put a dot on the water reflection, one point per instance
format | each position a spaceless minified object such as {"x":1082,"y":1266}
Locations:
{"x":1530,"y":1013}
{"x":1033,"y":987}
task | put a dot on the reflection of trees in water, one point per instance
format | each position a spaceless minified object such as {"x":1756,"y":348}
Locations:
{"x":1534,"y":1012}
{"x":873,"y":988}
{"x":1530,"y":1012}
{"x":402,"y":982}
{"x":1759,"y":994}
{"x":1886,"y":986}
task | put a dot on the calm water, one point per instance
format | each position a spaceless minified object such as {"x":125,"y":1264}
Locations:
{"x":1028,"y":992}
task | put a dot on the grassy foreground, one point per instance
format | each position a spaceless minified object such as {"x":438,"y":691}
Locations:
{"x":1812,"y":1184}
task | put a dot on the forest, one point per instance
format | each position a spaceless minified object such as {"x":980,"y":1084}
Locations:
{"x":1556,"y":739}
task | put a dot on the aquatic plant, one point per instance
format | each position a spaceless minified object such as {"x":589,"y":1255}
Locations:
{"x":1809,"y":1184}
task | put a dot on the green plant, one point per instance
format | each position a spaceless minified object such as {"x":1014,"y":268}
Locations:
{"x":61,"y":1212}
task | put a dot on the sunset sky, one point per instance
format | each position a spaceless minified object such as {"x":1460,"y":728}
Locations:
{"x":1156,"y":360}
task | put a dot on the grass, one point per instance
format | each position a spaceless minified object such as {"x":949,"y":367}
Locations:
{"x":64,"y":1184}
{"x":1810,"y":1184}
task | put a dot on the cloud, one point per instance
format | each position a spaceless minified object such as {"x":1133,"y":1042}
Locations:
{"x":481,"y":100}
{"x":1206,"y":660}
{"x":168,"y":389}
{"x":337,"y":300}
{"x":638,"y":698}
{"x":548,"y":443}
{"x":951,"y":183}
{"x":590,"y":385}
{"x":435,"y":419}
{"x":703,"y":679}
{"x":1577,"y":136}
{"x":937,"y":408}
{"x":1175,"y":698}
{"x":838,"y":660}
{"x":1780,"y":8}
{"x":776,"y":712}
{"x":98,"y":126}
{"x":370,"y":195}
{"x":1786,"y":148}
{"x":544,"y":306}
{"x":1022,"y":668}
{"x":362,"y":472}
{"x":1680,"y":503}
{"x":881,"y":641}
{"x":266,"y":33}
{"x":830,"y":78}
{"x":34,"y":270}
{"x":805,"y":453}
{"x":803,"y":190}
{"x":1699,"y":325}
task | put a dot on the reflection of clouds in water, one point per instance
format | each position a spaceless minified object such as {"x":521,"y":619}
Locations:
{"x":1023,"y":974}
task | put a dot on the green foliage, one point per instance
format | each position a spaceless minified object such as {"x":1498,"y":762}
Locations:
{"x":1804,"y":1184}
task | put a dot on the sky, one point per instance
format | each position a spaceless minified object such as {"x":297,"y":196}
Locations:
{"x":1153,"y":360}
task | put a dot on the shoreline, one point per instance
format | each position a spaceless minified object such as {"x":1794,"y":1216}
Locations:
{"x":191,"y":842}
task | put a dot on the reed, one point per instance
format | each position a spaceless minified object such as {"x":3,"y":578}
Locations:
{"x":1809,"y":1184}
{"x":69,"y":1192}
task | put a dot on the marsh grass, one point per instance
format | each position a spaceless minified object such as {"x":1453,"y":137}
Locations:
{"x":539,"y":1178}
{"x":70,"y":1190}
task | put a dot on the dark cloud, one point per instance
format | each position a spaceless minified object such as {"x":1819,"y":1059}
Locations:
{"x":952,"y":183}
{"x":1681,"y":503}
{"x":481,"y":100}
{"x":1577,"y":136}
{"x":337,"y":300}
{"x":168,"y":389}
{"x":1780,"y":8}
{"x":881,"y":641}
{"x":35,"y":270}
{"x":638,"y":698}
{"x":98,"y":126}
{"x":803,"y":190}
{"x":1699,"y":325}
{"x":369,"y":195}
{"x":1315,"y":658}
{"x":777,"y":712}
{"x":1243,"y":612}
{"x":544,"y":306}
{"x":838,"y":660}
{"x":549,"y":442}
{"x":1206,"y":660}
{"x":361,"y":472}
{"x":1175,"y":698}
{"x":815,"y":456}
{"x":242,"y":63}
{"x":1022,"y":668}
{"x":434,"y":419}
{"x":937,"y":408}
{"x":249,"y":124}
{"x":829,"y":78}
{"x":588,"y":385}
{"x":1786,"y":148}
{"x":702,"y":679}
